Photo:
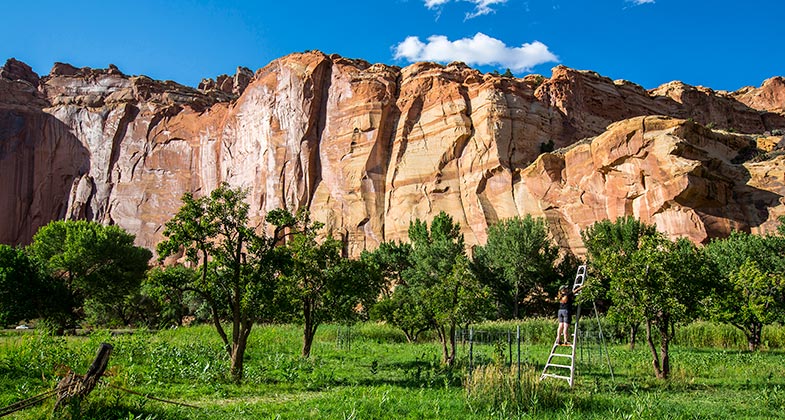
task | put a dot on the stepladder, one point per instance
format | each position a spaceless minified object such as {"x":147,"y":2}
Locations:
{"x":561,"y":360}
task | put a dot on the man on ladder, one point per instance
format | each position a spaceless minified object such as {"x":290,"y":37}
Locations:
{"x":566,"y":298}
{"x":557,"y":368}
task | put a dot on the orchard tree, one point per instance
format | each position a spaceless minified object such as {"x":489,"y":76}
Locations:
{"x":404,"y":310}
{"x":89,"y":262}
{"x":661,"y":284}
{"x":391,"y":259}
{"x":439,"y":282}
{"x":519,"y":259}
{"x":164,"y":285}
{"x":397,"y":306}
{"x":25,"y":291}
{"x":237,"y":270}
{"x":608,"y":244}
{"x":750,"y":283}
{"x":325,"y":286}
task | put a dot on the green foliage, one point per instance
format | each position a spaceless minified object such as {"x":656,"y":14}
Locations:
{"x":661,"y":282}
{"x":438,"y":290}
{"x":517,"y":260}
{"x":606,"y":244}
{"x":163,"y":285}
{"x":326,"y":286}
{"x":391,"y":259}
{"x":93,"y":263}
{"x":622,"y":236}
{"x":402,"y":309}
{"x":547,"y":147}
{"x":750,"y":284}
{"x":239,"y":268}
{"x":24,"y":292}
{"x":648,"y":278}
{"x":730,"y":253}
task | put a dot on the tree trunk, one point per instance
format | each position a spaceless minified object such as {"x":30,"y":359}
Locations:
{"x":307,"y":342}
{"x":238,"y":353}
{"x":451,"y":359}
{"x":443,"y":339}
{"x":754,"y":336}
{"x":633,"y":335}
{"x":655,"y":359}
{"x":238,"y":322}
{"x":664,"y":351}
{"x":309,"y":330}
{"x":515,"y":304}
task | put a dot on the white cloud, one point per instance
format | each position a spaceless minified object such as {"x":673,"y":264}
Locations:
{"x":480,"y":50}
{"x":481,"y":7}
{"x":431,"y":4}
{"x":636,"y":2}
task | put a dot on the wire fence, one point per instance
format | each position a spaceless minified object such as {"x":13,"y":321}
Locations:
{"x":517,"y":347}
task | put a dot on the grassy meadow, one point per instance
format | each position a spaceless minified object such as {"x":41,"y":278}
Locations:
{"x":368,"y":371}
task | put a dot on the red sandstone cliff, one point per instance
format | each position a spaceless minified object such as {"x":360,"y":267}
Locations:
{"x":371,"y":147}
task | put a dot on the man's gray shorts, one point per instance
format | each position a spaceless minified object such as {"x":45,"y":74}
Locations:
{"x":564,"y":316}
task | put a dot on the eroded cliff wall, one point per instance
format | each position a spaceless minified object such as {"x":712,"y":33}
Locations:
{"x":371,"y":147}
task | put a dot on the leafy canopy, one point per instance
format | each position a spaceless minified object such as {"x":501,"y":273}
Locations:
{"x":518,"y":259}
{"x":90,"y":261}
{"x":750,"y":289}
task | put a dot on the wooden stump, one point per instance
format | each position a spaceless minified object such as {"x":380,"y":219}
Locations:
{"x":76,"y":386}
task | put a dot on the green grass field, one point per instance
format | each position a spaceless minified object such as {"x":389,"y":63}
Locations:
{"x":370,"y":372}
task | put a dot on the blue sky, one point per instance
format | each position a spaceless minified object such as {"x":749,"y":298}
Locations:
{"x":723,"y":44}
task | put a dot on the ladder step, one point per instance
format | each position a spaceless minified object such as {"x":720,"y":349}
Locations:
{"x":568,"y":356}
{"x":559,"y":366}
{"x":551,"y":375}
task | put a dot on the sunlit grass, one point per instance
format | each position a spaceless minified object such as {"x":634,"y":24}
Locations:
{"x":369,"y":371}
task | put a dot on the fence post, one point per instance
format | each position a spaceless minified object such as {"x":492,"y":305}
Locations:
{"x":518,"y":338}
{"x":509,"y":346}
{"x":471,"y":350}
{"x":73,"y":386}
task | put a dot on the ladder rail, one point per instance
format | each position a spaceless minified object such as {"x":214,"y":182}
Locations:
{"x":571,"y":356}
{"x":580,"y":277}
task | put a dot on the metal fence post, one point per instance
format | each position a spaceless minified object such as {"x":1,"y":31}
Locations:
{"x":471,"y":350}
{"x":518,"y":338}
{"x":509,"y":346}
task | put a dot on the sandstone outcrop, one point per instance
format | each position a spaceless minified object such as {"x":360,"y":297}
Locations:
{"x":370,"y":147}
{"x":665,"y":171}
{"x":233,"y":86}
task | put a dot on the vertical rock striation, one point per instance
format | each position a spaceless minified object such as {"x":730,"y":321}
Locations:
{"x":369,"y":148}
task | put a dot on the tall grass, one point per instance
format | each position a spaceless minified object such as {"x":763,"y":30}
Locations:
{"x":697,"y":334}
{"x":703,"y":334}
{"x":501,"y":391}
{"x":533,"y":330}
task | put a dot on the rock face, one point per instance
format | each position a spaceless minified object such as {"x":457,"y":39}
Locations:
{"x":669,"y":172}
{"x":369,"y":148}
